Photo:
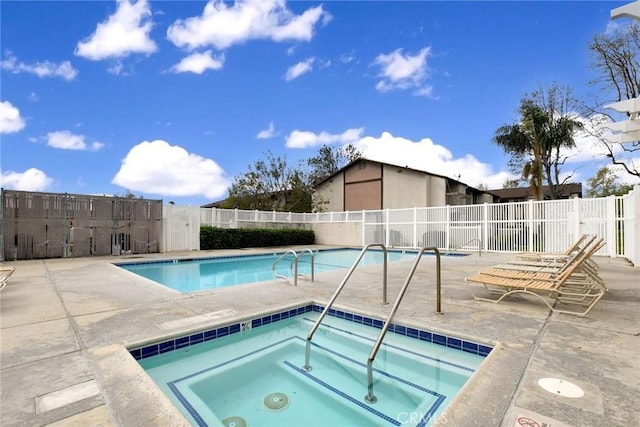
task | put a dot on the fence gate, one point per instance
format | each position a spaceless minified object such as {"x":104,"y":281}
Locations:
{"x":182,"y":228}
{"x":51,"y":225}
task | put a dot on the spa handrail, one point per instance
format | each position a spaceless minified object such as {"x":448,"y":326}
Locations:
{"x":370,"y":398}
{"x":469,"y":241}
{"x":294,"y":265}
{"x":307,"y":353}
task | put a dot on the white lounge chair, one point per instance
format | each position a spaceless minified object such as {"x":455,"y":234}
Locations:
{"x":5,"y":272}
{"x":567,"y":285}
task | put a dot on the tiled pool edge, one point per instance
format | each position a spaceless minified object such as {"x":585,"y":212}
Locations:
{"x":146,"y":350}
{"x":274,"y":254}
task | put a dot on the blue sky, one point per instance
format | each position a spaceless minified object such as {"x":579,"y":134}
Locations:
{"x":172,"y":99}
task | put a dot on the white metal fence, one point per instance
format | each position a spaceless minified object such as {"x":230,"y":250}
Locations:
{"x":549,"y":226}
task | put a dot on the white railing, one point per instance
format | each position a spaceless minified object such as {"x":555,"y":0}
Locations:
{"x":549,"y":226}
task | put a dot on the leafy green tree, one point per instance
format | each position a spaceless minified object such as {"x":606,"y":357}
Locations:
{"x":299,"y":198}
{"x":615,"y":56}
{"x":263,"y":187}
{"x":511,"y":183}
{"x":272,"y":184}
{"x":329,"y":160}
{"x":545,"y":128}
{"x":604,"y":184}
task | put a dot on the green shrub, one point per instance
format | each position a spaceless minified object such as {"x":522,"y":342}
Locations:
{"x":235,"y":238}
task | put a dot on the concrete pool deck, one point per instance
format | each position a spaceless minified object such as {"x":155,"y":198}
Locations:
{"x":65,"y":325}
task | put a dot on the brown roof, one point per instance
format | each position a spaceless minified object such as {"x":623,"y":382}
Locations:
{"x":524,"y":193}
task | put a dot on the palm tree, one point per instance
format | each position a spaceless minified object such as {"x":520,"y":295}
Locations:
{"x":528,"y":138}
{"x":545,"y":128}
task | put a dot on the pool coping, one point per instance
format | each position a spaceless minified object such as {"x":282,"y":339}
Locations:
{"x":171,"y":260}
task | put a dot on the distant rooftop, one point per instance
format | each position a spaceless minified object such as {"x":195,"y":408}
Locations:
{"x":524,"y":193}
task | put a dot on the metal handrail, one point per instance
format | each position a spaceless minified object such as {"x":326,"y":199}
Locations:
{"x":469,"y":241}
{"x":370,"y":398}
{"x":307,"y":353}
{"x":273,"y":266}
{"x":294,"y":265}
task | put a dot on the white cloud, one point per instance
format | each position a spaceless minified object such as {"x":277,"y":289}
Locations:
{"x":10,"y":119}
{"x":30,"y":180}
{"x":426,"y":156}
{"x":421,"y":155}
{"x":123,"y":33}
{"x":169,"y":170}
{"x":305,"y":139}
{"x":66,"y":140}
{"x":299,"y":69}
{"x":198,"y":63}
{"x":117,"y":68}
{"x":613,"y":26}
{"x":222,"y":26}
{"x":590,"y":153}
{"x":347,"y":57}
{"x":402,"y":72}
{"x":588,"y":148}
{"x":270,"y":132}
{"x":41,"y":69}
{"x":624,"y":177}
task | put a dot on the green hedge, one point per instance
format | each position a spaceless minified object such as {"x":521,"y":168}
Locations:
{"x":235,"y":238}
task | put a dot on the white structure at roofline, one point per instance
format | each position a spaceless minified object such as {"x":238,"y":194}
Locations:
{"x":629,"y":130}
{"x":631,"y":10}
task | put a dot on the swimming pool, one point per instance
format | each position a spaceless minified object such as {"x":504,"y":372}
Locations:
{"x":250,"y":373}
{"x":207,"y":273}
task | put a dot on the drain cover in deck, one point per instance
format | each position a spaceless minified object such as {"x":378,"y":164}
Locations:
{"x":561,"y":387}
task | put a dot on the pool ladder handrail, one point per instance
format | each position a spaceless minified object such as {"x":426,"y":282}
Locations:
{"x":370,"y":397}
{"x":294,"y":265}
{"x":469,"y":241}
{"x":307,"y":353}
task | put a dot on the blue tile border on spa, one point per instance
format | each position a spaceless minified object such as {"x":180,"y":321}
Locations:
{"x":151,"y":350}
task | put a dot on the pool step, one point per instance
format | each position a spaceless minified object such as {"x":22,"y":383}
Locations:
{"x":410,"y":363}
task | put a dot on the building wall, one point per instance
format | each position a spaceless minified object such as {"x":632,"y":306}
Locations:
{"x":338,"y":233}
{"x":404,"y":188}
{"x":329,"y":196}
{"x":363,"y":186}
{"x":485,"y":198}
{"x":373,"y":186}
{"x":437,"y":191}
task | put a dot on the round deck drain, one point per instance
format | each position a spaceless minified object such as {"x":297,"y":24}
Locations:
{"x":276,"y":401}
{"x":234,"y":422}
{"x":561,"y":387}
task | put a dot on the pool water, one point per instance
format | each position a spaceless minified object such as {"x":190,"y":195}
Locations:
{"x":208,"y":273}
{"x":254,"y":377}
